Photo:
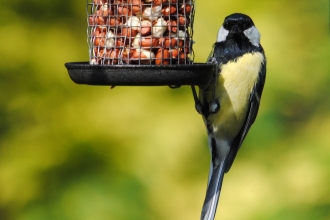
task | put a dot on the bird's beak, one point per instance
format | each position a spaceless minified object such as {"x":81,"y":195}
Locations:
{"x":234,"y":30}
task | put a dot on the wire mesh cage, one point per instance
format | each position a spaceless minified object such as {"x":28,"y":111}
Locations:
{"x":140,"y":32}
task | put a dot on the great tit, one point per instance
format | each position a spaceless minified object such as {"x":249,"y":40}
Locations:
{"x":230,"y":103}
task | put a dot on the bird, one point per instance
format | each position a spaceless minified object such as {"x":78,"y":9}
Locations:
{"x":230,"y":102}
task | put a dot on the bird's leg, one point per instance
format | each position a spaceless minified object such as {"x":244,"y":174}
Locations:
{"x":214,"y":105}
{"x":198,"y":104}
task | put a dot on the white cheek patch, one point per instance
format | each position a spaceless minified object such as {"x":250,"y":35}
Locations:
{"x":222,"y":34}
{"x":253,"y":35}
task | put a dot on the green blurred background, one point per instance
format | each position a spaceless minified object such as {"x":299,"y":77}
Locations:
{"x":72,"y":152}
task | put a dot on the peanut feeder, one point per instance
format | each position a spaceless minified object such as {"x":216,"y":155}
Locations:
{"x":141,"y":43}
{"x":140,"y":32}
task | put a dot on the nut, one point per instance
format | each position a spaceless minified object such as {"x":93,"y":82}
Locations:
{"x":131,"y":27}
{"x":99,"y":39}
{"x":149,"y":41}
{"x":113,"y":55}
{"x":127,"y":55}
{"x":169,"y":10}
{"x":124,"y":11}
{"x":92,"y":20}
{"x":96,"y":20}
{"x":159,"y":2}
{"x":137,"y":41}
{"x":93,"y":61}
{"x":133,"y":22}
{"x":114,"y":22}
{"x":182,"y":58}
{"x":186,"y":50}
{"x":162,"y":57}
{"x":185,"y":9}
{"x":182,"y":36}
{"x":159,"y":27}
{"x":100,"y":29}
{"x":142,"y":56}
{"x":98,"y":52}
{"x":145,"y":27}
{"x":108,"y":56}
{"x":128,"y":32}
{"x":168,"y":42}
{"x":144,"y":42}
{"x":110,"y":40}
{"x":98,"y":2}
{"x":105,"y":10}
{"x":174,"y":53}
{"x":183,"y":20}
{"x":152,"y":13}
{"x":172,"y":26}
{"x":137,"y":6}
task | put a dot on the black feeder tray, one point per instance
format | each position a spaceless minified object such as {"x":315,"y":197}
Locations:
{"x":198,"y":74}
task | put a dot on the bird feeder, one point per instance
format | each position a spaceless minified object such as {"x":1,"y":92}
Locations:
{"x":140,"y":43}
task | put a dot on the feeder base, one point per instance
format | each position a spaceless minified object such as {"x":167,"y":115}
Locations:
{"x":198,"y":74}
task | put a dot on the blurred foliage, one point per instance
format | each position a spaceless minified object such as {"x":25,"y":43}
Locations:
{"x":70,"y":151}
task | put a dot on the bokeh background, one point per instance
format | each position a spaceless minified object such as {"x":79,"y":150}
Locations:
{"x":72,"y":152}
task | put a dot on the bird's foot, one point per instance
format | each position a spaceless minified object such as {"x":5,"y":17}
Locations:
{"x":214,"y":107}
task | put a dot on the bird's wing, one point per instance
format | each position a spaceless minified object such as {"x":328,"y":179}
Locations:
{"x":250,"y":118}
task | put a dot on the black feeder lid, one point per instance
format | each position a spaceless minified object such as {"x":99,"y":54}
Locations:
{"x":198,"y":74}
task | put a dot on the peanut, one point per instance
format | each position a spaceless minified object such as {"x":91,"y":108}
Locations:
{"x":162,"y":57}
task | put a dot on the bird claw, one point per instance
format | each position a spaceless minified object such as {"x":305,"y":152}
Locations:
{"x":198,"y":107}
{"x":212,"y":60}
{"x":214,"y":107}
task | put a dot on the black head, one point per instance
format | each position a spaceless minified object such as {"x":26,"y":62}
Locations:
{"x":237,"y":23}
{"x":237,"y":36}
{"x":239,"y":28}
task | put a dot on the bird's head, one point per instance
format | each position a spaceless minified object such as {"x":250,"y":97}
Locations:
{"x":239,"y":25}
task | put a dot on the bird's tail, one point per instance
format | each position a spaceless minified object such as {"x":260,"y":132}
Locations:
{"x":213,"y":190}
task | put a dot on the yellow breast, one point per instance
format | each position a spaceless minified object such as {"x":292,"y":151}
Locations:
{"x":233,"y":89}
